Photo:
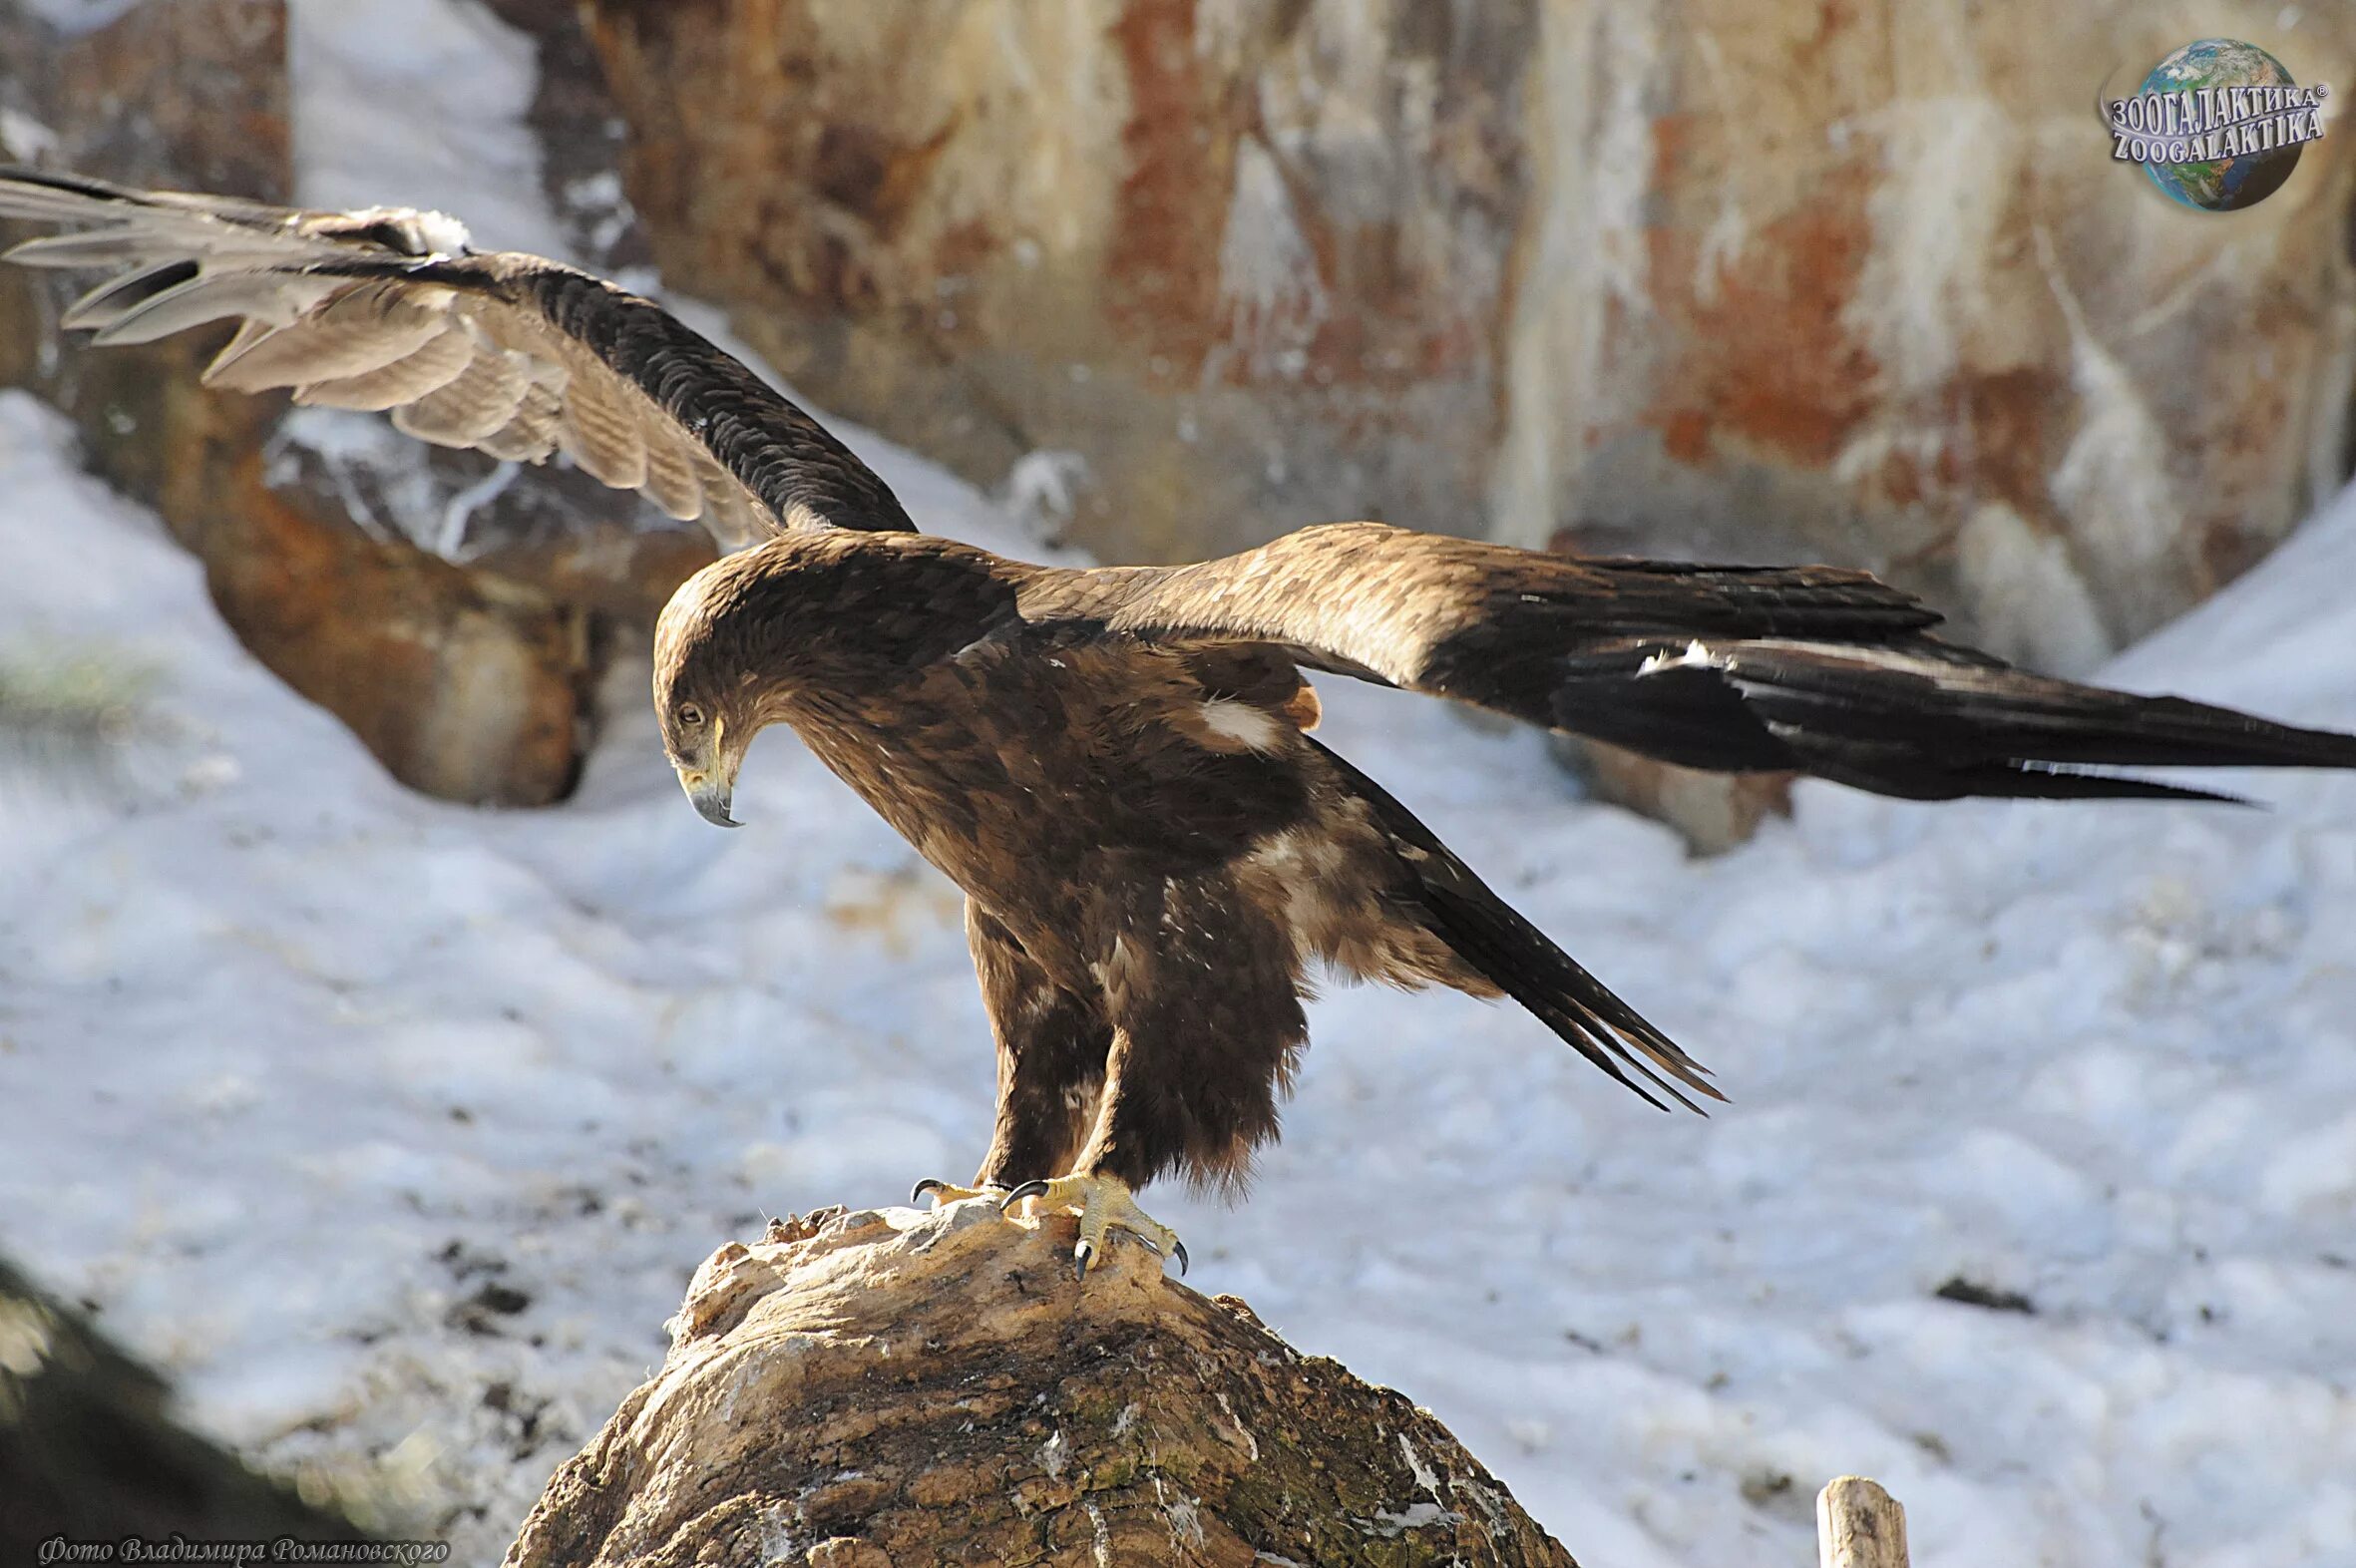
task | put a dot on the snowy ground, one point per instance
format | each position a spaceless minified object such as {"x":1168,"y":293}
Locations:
{"x":296,"y":1064}
{"x":393,"y":1129}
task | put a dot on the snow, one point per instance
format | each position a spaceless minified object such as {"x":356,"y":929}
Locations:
{"x":298,"y":1061}
{"x":411,"y":103}
{"x":80,"y":16}
{"x":392,"y":1130}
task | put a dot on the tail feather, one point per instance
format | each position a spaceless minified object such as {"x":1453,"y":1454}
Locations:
{"x":1522,"y":960}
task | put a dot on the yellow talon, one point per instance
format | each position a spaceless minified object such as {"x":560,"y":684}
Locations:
{"x":1105,"y":1205}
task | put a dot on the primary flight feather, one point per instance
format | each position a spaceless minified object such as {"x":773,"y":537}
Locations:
{"x":1115,"y":764}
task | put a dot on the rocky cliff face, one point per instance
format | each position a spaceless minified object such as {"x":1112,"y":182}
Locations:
{"x":1864,"y":277}
{"x":1247,"y":264}
{"x":1854,"y":279}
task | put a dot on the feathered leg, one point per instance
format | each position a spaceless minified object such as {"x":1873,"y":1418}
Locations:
{"x":1052,"y":1046}
{"x":1194,"y":1073}
{"x":1116,"y":1160}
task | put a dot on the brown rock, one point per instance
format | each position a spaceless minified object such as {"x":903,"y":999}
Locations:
{"x":890,"y":1390}
{"x":473,"y":683}
{"x":1713,"y":811}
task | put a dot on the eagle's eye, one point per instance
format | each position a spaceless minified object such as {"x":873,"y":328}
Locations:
{"x":689,"y":715}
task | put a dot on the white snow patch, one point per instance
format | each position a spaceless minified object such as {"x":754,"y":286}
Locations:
{"x":1183,"y":1516}
{"x":80,"y":16}
{"x":1042,"y":489}
{"x":419,"y":102}
{"x":1414,"y":1516}
{"x":1251,"y":1443}
{"x":25,"y":138}
{"x":1425,"y":1478}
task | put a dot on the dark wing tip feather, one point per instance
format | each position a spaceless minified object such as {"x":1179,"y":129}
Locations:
{"x":1909,"y":718}
{"x":2029,"y":780}
{"x":1522,"y":960}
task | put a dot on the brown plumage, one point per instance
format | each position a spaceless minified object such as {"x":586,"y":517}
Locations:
{"x":1115,"y":764}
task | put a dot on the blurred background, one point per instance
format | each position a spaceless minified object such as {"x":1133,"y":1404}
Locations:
{"x":1846,"y":280}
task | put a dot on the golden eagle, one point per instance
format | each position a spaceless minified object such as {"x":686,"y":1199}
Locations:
{"x":1115,"y":764}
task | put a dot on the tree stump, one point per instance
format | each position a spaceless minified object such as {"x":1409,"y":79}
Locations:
{"x":892,"y":1389}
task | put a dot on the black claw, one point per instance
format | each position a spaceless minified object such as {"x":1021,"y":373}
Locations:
{"x":1080,"y":1255}
{"x":1179,"y":1248}
{"x":917,"y":1193}
{"x":1029,"y":1189}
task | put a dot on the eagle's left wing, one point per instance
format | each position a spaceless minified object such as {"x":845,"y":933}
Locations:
{"x":391,"y":309}
{"x":1811,"y":669}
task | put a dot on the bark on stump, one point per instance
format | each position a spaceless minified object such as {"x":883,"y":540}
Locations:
{"x":890,"y":1389}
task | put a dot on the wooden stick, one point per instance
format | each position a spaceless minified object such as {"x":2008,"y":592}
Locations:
{"x":1858,"y":1526}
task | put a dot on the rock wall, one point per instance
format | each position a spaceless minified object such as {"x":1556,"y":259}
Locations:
{"x":1247,"y":264}
{"x":1862,"y":277}
{"x":1848,"y":278}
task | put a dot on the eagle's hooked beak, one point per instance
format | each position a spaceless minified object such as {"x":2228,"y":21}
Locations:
{"x":710,"y":794}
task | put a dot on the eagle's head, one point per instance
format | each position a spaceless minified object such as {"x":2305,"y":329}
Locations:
{"x":708,"y":681}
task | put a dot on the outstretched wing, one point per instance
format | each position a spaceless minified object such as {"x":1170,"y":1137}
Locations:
{"x":390,"y":310}
{"x":1811,"y":669}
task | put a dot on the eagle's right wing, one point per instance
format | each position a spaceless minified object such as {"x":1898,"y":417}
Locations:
{"x":390,"y":310}
{"x":1813,"y":669}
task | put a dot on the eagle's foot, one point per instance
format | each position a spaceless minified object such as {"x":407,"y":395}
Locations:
{"x":949,"y":1192}
{"x":1105,"y":1205}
